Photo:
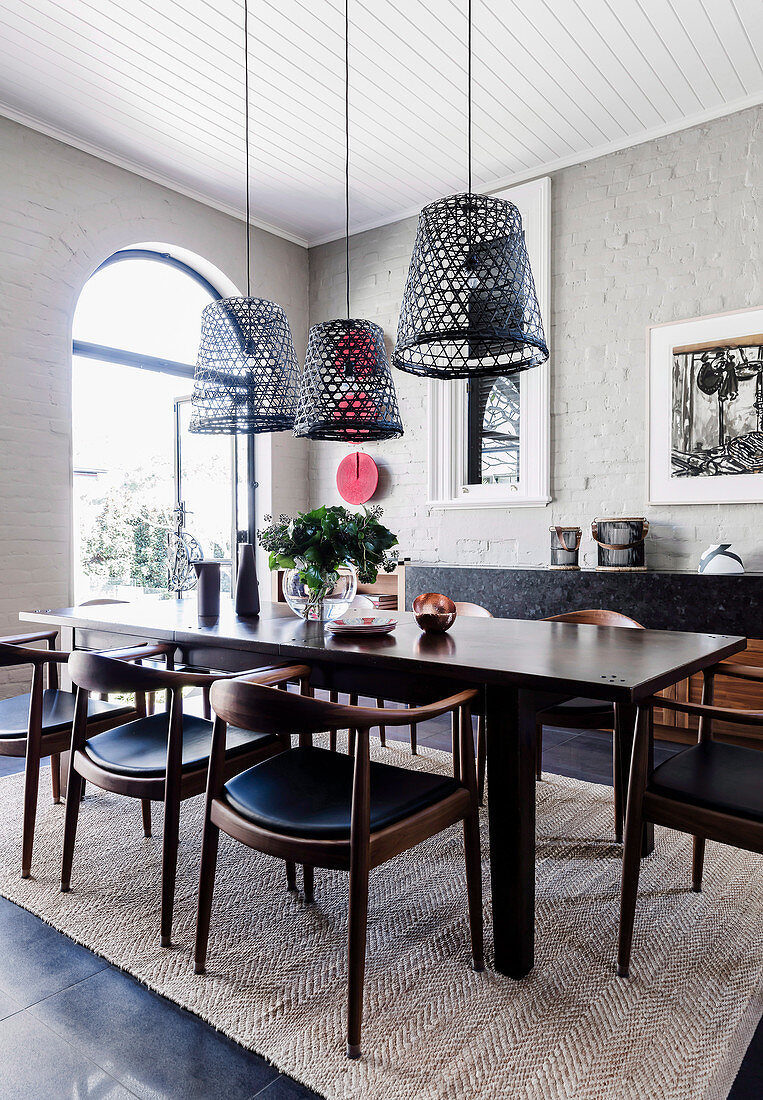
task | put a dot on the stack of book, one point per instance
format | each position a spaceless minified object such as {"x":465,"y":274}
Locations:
{"x":383,"y":601}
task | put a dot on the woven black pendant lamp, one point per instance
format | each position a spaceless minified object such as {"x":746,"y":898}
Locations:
{"x":247,"y":373}
{"x":469,"y":306}
{"x":347,"y":392}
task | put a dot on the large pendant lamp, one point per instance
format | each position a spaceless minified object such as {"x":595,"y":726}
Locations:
{"x":347,"y":392}
{"x":247,"y":373}
{"x":469,"y":306}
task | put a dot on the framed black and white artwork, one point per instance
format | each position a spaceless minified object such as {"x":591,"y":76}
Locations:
{"x":705,"y":415}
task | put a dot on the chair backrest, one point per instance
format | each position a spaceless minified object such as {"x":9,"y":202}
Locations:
{"x":20,"y":653}
{"x":99,"y":601}
{"x":473,"y":611}
{"x":95,"y":672}
{"x":268,"y":710}
{"x":596,"y":617}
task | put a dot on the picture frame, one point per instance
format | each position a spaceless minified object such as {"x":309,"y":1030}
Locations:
{"x":705,"y":409}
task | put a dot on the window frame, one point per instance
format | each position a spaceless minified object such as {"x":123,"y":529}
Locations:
{"x":244,"y":449}
{"x":447,"y":442}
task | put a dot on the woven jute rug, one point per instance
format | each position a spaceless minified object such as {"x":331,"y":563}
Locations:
{"x":433,"y":1028}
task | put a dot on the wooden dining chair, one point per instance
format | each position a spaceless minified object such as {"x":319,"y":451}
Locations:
{"x":161,"y":757}
{"x":326,"y":809}
{"x":713,"y":790}
{"x":589,"y":714}
{"x":38,"y":723}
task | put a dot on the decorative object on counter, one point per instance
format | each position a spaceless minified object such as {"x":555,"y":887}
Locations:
{"x":620,"y":542}
{"x":719,"y":558}
{"x":182,"y":551}
{"x":706,"y":410}
{"x":565,"y":546}
{"x":321,"y":551}
{"x":434,"y":612}
{"x":357,"y":477}
{"x":208,"y":588}
{"x":247,"y":601}
{"x":469,"y":306}
{"x":247,"y":374}
{"x":347,"y":390}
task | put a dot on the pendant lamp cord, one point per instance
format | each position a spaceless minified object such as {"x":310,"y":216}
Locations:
{"x":246,"y":142}
{"x":347,"y":146}
{"x":469,"y":98}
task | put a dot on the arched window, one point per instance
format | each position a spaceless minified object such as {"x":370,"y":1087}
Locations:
{"x":144,"y":489}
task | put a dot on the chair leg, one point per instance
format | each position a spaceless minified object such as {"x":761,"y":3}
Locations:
{"x":617,"y":783}
{"x":308,"y":882}
{"x":150,"y":703}
{"x":414,"y":738}
{"x":382,"y":729}
{"x":539,"y":752}
{"x":291,"y":876}
{"x":31,"y":786}
{"x":629,"y":885}
{"x":74,"y":784}
{"x":352,"y":734}
{"x":205,"y":704}
{"x":356,"y":953}
{"x":474,"y":886}
{"x":481,"y":759}
{"x":697,"y":863}
{"x":145,"y":805}
{"x":169,"y":866}
{"x":332,"y":740}
{"x":206,"y":890}
{"x":55,"y":777}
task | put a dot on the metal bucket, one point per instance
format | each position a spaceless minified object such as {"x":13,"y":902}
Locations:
{"x":620,"y":542}
{"x":565,"y":544}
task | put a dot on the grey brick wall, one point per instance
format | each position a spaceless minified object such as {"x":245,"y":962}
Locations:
{"x":662,"y":231}
{"x":61,"y":213}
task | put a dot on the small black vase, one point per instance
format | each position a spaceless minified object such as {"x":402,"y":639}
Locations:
{"x":247,"y":592}
{"x":208,"y":588}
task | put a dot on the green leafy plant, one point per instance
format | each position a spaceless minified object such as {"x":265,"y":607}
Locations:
{"x":318,"y":542}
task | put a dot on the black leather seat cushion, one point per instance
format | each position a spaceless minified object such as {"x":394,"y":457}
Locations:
{"x":308,"y":792}
{"x":582,"y":706}
{"x":716,"y":776}
{"x":57,"y":712}
{"x":139,"y":748}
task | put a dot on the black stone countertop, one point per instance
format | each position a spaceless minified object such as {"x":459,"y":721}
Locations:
{"x":658,"y":599}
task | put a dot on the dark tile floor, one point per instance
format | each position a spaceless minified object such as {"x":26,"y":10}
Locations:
{"x":71,"y":1025}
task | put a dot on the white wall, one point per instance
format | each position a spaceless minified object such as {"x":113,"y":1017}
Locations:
{"x":659,"y":232}
{"x":61,"y":213}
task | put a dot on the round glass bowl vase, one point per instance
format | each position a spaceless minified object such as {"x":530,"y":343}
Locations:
{"x":325,"y":604}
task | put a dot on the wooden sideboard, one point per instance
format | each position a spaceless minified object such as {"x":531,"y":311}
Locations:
{"x":658,"y":599}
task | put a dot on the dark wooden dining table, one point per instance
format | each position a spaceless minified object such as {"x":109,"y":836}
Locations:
{"x":520,"y":667}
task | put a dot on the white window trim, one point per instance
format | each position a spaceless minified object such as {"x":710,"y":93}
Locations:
{"x":447,"y":400}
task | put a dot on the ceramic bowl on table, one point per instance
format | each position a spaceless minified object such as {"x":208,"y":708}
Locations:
{"x":434,"y":612}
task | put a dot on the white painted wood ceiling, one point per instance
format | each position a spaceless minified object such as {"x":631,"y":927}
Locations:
{"x":157,"y":85}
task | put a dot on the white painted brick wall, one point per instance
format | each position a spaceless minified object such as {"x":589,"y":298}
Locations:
{"x":662,"y":231}
{"x":61,"y":213}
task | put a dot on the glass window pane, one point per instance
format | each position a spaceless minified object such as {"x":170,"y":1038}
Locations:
{"x":142,"y":306}
{"x":493,"y":419}
{"x":124,"y":476}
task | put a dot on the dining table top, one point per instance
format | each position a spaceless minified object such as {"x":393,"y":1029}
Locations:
{"x":600,"y":661}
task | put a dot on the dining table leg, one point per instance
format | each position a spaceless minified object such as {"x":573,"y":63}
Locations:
{"x":625,"y":728}
{"x":510,"y":728}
